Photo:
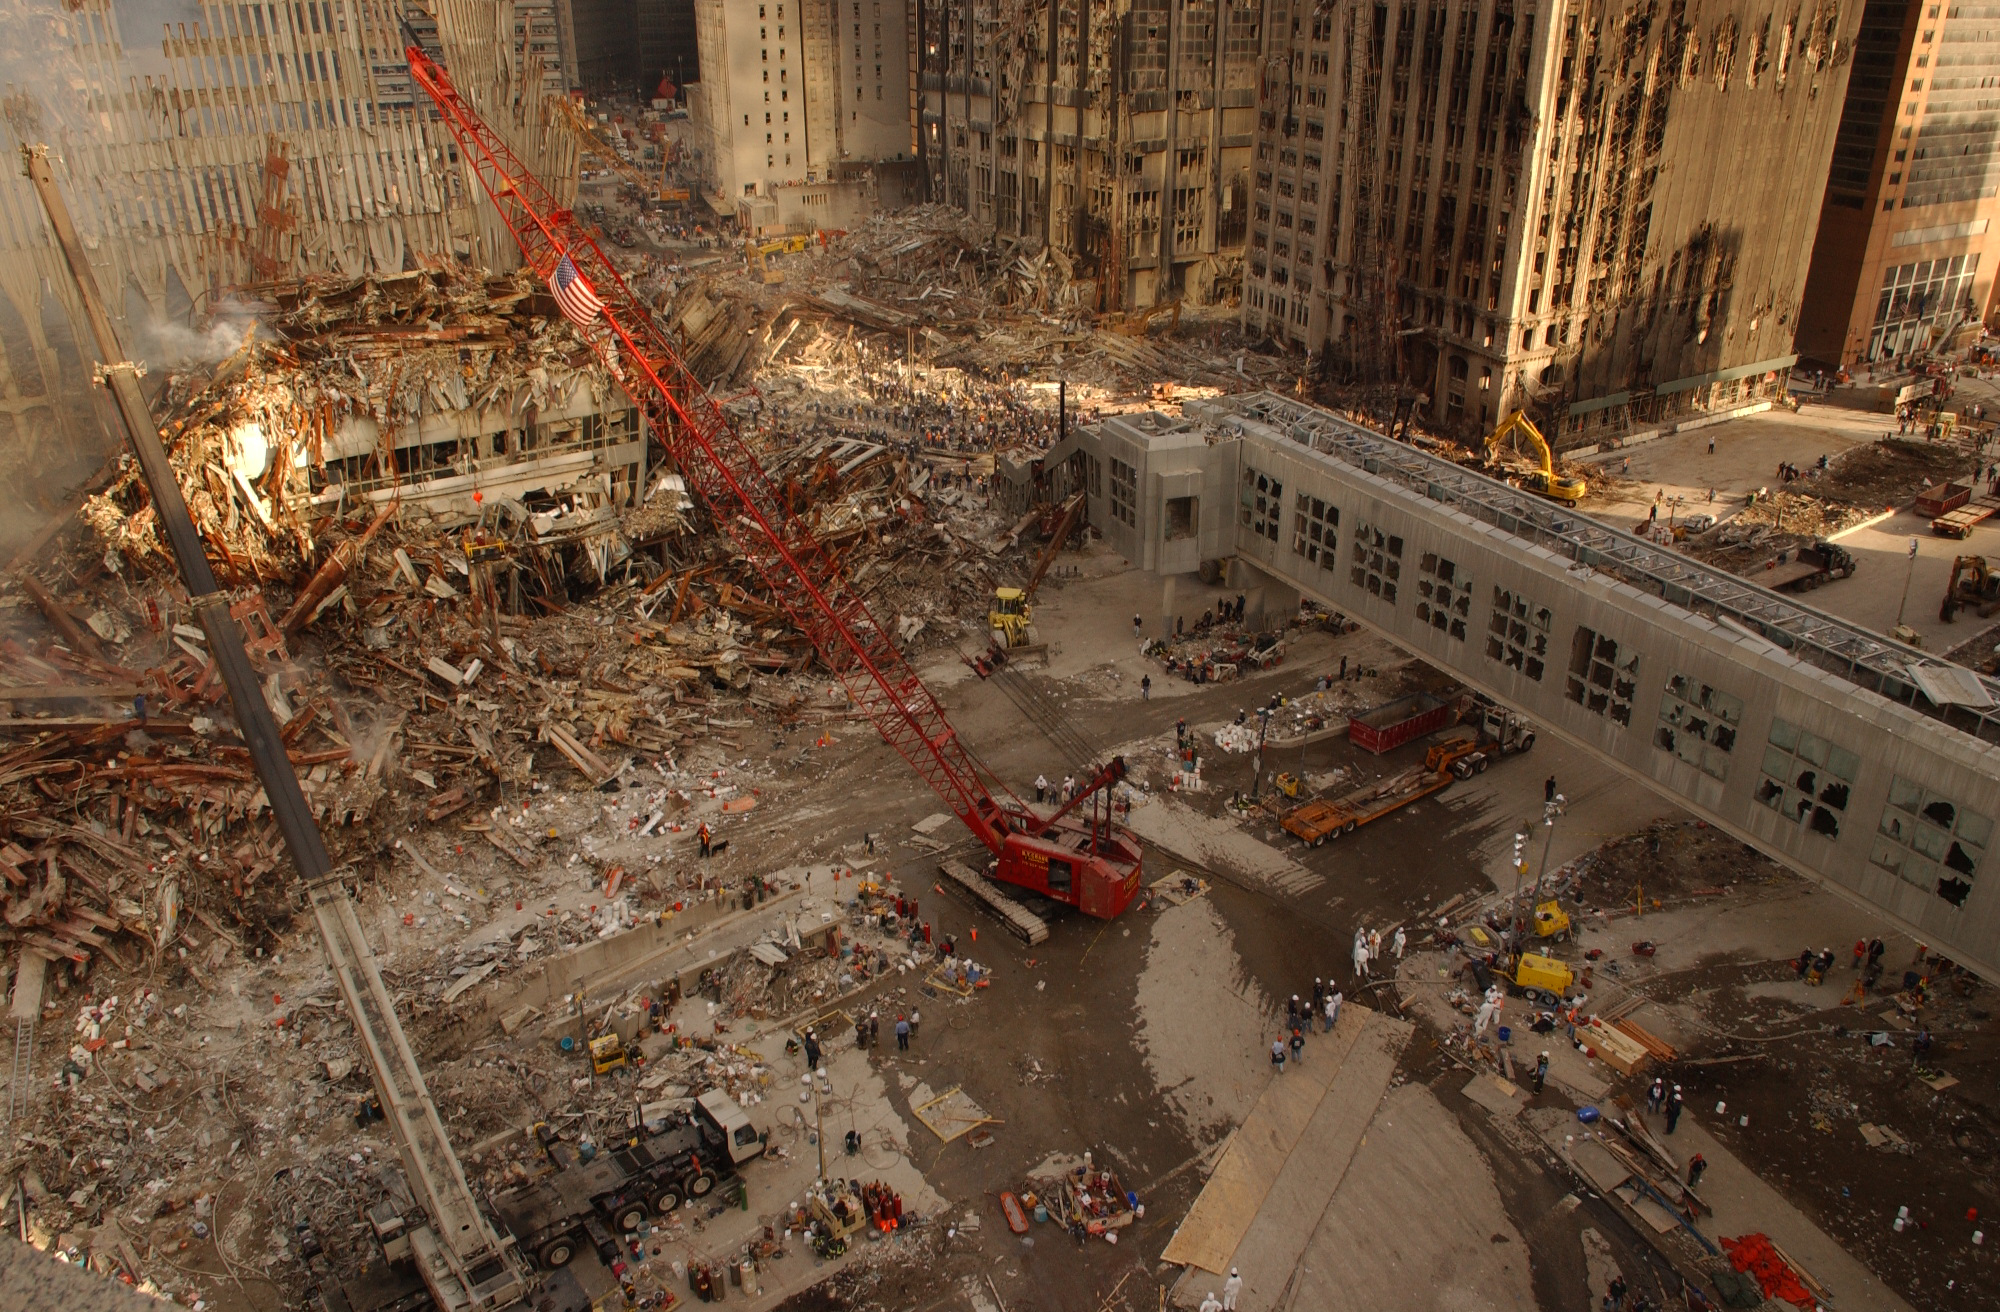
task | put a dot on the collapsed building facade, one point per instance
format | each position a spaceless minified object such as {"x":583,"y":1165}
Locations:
{"x":266,"y":143}
{"x":1116,"y":136}
{"x":1601,"y":213}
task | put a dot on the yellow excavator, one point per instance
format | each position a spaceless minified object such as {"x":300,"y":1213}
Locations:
{"x":755,"y":251}
{"x":1012,"y":619}
{"x":1972,"y":587}
{"x":1542,"y":480}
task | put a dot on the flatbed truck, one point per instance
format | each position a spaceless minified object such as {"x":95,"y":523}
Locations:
{"x":1960,"y":522}
{"x":669,"y":1160}
{"x":1315,"y":822}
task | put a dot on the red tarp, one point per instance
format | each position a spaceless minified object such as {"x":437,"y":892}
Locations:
{"x":1774,"y":1275}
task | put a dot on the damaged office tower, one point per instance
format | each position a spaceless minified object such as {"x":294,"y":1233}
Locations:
{"x":1115,"y":135}
{"x":1600,"y":212}
{"x":220,"y":160}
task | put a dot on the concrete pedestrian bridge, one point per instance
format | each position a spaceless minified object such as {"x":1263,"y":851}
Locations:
{"x":1847,"y":756}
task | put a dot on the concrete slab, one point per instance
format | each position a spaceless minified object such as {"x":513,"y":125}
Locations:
{"x":1209,"y":1235}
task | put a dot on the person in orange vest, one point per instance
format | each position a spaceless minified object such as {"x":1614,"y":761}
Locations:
{"x":703,"y":834}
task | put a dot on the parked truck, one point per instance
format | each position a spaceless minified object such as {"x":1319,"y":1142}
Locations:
{"x":1959,"y":523}
{"x":1315,"y":822}
{"x":1394,"y":723}
{"x":1496,"y":732}
{"x":673,"y":1153}
{"x":1807,"y":568}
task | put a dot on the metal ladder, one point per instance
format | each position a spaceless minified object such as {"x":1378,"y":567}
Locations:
{"x":24,"y":1060}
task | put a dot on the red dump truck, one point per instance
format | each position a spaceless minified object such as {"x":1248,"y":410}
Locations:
{"x":1315,"y":822}
{"x":1391,"y":725}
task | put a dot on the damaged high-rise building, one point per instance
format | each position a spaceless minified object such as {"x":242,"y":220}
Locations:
{"x":260,"y":143}
{"x":1116,"y":134}
{"x":1905,"y":256}
{"x":1600,"y":211}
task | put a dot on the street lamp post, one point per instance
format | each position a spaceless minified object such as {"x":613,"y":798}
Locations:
{"x":1907,"y":578}
{"x":1520,"y":867}
{"x":1263,"y":730}
{"x":1550,"y":810}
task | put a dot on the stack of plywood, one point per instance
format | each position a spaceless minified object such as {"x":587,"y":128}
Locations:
{"x":1615,"y":1048}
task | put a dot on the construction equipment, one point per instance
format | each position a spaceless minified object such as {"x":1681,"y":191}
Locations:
{"x":1012,"y":619}
{"x":668,"y":1158}
{"x":1288,"y":784}
{"x":1497,"y":732}
{"x":1315,"y":822}
{"x":1971,"y":586}
{"x":1078,"y":856}
{"x":592,"y":140}
{"x":1542,"y":980}
{"x":462,"y":1262}
{"x":755,"y":251}
{"x":1135,"y":323}
{"x":1822,"y":562}
{"x":1551,"y":921}
{"x":1541,"y":479}
{"x":607,"y":1053}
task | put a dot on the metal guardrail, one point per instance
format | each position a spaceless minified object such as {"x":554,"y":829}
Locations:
{"x":1863,"y":658}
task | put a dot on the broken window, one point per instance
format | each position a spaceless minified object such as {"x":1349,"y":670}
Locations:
{"x":1377,"y":561}
{"x":1124,"y":493}
{"x":1602,"y":680}
{"x":1444,"y":594}
{"x":1806,"y":778}
{"x":1930,"y":841}
{"x":1698,"y":724}
{"x":1315,"y":530}
{"x":1517,"y":635}
{"x":1262,"y":504}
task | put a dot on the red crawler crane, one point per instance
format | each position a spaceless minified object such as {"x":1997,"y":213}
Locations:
{"x":1078,"y":856}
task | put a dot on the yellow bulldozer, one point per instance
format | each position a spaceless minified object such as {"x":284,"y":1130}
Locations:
{"x":1541,"y":477}
{"x":1012,"y":617}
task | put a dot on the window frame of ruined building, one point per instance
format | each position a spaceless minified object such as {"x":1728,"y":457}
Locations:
{"x":1931,"y":842}
{"x":1315,"y":530}
{"x":1260,"y":503}
{"x":1124,"y":493}
{"x":1445,"y":594}
{"x":1517,"y":635}
{"x":1699,"y":724}
{"x":1796,"y":760}
{"x":1599,"y":680}
{"x":1377,"y":561}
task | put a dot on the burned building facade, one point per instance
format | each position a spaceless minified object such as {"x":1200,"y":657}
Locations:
{"x":1600,"y":212}
{"x":1115,"y":134}
{"x":264,"y":143}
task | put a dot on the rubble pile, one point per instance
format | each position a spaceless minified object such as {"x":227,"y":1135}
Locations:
{"x":932,"y":280}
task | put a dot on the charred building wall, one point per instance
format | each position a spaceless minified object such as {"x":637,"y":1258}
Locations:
{"x":1601,"y":212}
{"x":1114,"y":133}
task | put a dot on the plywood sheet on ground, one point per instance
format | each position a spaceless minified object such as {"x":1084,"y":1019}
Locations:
{"x":1598,"y":1165}
{"x":1284,"y":1226}
{"x":1494,"y":1094}
{"x":1367,"y":1255}
{"x":1215,"y":1225}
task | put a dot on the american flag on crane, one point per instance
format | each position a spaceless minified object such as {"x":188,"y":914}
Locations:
{"x":574,"y":293}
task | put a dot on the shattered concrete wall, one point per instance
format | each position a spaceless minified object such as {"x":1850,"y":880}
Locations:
{"x":1116,"y":133}
{"x":1601,"y":212}
{"x":265,"y":142}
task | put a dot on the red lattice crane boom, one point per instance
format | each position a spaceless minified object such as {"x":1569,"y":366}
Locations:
{"x":1086,"y":861}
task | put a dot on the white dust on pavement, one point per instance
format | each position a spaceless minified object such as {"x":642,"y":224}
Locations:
{"x":1203,"y":1022}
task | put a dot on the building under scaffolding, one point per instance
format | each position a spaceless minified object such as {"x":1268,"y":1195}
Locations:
{"x":1600,"y":212}
{"x":263,"y":143}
